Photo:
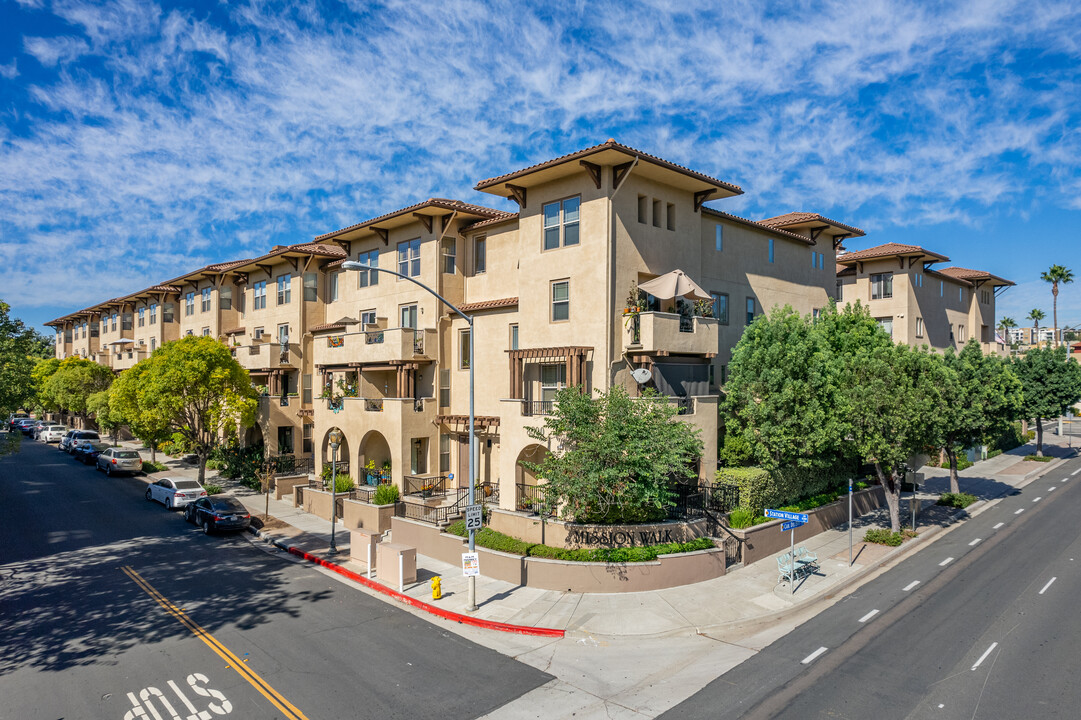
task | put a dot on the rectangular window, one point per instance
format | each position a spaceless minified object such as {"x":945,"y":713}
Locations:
{"x":917,"y":279}
{"x":225,"y":297}
{"x":367,"y":317}
{"x":561,"y":300}
{"x":444,"y":388}
{"x":259,"y":293}
{"x":814,"y":259}
{"x":311,"y":287}
{"x":643,"y":209}
{"x":409,"y":258}
{"x":283,"y":334}
{"x":142,"y":316}
{"x":881,"y":286}
{"x":463,"y":349}
{"x":821,"y":261}
{"x":444,"y":454}
{"x":167,"y":314}
{"x":718,"y":238}
{"x":258,"y":333}
{"x":367,"y":277}
{"x":307,"y":438}
{"x":418,"y":458}
{"x":670,"y":216}
{"x":114,"y":321}
{"x":306,"y":389}
{"x":961,"y":294}
{"x":153,"y":343}
{"x":285,"y":289}
{"x":772,"y":254}
{"x":514,"y":336}
{"x":285,"y":440}
{"x":815,"y":314}
{"x":189,"y":304}
{"x":961,"y":334}
{"x":409,"y":316}
{"x":919,"y":327}
{"x":886,"y":324}
{"x":332,"y":286}
{"x":126,"y":322}
{"x":449,"y":249}
{"x":204,"y":305}
{"x":941,"y":288}
{"x":750,"y":310}
{"x":206,"y":332}
{"x":480,"y":255}
{"x":656,"y":213}
{"x":720,"y":307}
{"x":553,"y":379}
{"x":561,"y":223}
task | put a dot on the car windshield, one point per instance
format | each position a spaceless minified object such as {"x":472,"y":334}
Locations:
{"x":186,"y":484}
{"x":127,"y":454}
{"x":97,"y":446}
{"x":228,"y":505}
{"x":56,"y":428}
{"x":88,"y":435}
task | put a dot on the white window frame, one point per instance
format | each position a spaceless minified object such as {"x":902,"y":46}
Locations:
{"x":204,"y":300}
{"x":555,"y":381}
{"x":366,"y":278}
{"x":554,"y":303}
{"x":883,"y":286}
{"x":284,"y":285}
{"x":409,"y":258}
{"x":556,"y":226}
{"x":259,"y":295}
{"x":480,"y":255}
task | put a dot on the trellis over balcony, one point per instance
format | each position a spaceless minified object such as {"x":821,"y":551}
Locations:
{"x":574,"y":360}
{"x":670,"y":333}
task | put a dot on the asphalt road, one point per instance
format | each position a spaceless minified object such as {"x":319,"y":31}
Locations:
{"x":980,"y":624}
{"x":113,"y":607}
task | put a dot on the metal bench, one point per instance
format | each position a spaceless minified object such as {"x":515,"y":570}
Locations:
{"x":791,"y":567}
{"x":806,"y":561}
{"x":786,"y":569}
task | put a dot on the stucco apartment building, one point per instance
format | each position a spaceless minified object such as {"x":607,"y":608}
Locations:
{"x":385,"y":361}
{"x":917,"y":303}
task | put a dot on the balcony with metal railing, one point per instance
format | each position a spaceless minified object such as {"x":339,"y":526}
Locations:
{"x":267,"y":354}
{"x":655,"y":332}
{"x":374,"y":346}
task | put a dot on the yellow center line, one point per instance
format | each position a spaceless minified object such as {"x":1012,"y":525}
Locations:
{"x":264,"y":688}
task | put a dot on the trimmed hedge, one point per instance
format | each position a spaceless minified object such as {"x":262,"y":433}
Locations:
{"x":957,"y":500}
{"x":492,"y":540}
{"x":1038,"y":458}
{"x":760,"y":489}
{"x":885,"y":537}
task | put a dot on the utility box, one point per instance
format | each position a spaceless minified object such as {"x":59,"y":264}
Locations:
{"x":397,"y":564}
{"x":361,"y":543}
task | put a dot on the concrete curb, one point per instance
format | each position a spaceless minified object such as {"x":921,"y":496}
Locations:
{"x":406,"y":599}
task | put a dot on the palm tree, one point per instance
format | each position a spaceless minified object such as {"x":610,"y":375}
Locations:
{"x":1004,"y":326}
{"x":1055,"y":275}
{"x":1036,"y":315}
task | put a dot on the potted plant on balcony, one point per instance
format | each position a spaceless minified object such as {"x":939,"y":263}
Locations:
{"x":386,"y":471}
{"x":636,"y":304}
{"x":372,"y":473}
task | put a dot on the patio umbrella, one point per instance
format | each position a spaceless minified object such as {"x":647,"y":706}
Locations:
{"x":121,"y":341}
{"x":672,"y":285}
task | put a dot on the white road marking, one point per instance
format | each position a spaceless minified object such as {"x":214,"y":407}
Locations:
{"x":1048,"y":585}
{"x":996,"y":527}
{"x":868,"y":616}
{"x":974,"y":542}
{"x":946,"y":562}
{"x":940,"y":706}
{"x":1050,"y":489}
{"x":985,"y":654}
{"x":1037,"y":499}
{"x":911,"y":585}
{"x":811,"y":658}
{"x":1076,"y":471}
{"x":1019,"y":511}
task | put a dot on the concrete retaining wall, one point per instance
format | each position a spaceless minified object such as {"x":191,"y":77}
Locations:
{"x":557,"y":533}
{"x":357,"y":514}
{"x":283,"y":485}
{"x":317,"y":503}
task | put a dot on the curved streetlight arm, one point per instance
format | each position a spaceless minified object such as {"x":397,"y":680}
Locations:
{"x":354,"y":265}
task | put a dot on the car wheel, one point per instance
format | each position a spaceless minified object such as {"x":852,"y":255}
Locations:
{"x":188,"y":516}
{"x":169,"y":504}
{"x":206,"y":528}
{"x":109,"y":470}
{"x":148,"y":494}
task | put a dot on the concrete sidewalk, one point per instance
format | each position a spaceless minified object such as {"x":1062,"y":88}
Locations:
{"x":746,"y":597}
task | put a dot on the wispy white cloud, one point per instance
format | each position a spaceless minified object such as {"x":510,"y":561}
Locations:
{"x":171,"y":138}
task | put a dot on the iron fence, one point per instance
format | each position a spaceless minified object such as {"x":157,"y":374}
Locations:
{"x":290,"y":465}
{"x":684,"y":405}
{"x":531,"y":408}
{"x":440,"y":515}
{"x":692,"y":501}
{"x":426,"y":485}
{"x":529,"y":498}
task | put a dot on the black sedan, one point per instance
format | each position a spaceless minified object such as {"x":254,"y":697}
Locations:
{"x":87,"y":452}
{"x":218,"y":513}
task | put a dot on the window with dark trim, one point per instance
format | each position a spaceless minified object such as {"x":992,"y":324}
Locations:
{"x":561,"y":222}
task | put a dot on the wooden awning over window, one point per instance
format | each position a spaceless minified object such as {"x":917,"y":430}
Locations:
{"x":460,"y":423}
{"x":574,"y":356}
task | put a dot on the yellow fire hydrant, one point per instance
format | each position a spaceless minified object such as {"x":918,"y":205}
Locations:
{"x":437,"y":587}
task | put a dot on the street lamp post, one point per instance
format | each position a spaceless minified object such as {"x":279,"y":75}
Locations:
{"x":354,"y":265}
{"x":335,"y":438}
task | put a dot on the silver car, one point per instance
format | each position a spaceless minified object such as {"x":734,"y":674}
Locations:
{"x":175,"y":493}
{"x":72,"y":436}
{"x":116,"y":460}
{"x":52,"y":433}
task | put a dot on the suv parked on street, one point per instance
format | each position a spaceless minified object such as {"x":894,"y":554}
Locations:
{"x":67,"y":443}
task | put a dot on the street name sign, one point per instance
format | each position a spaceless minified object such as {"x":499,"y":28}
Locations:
{"x":785,"y":515}
{"x":791,"y":524}
{"x":473,"y":517}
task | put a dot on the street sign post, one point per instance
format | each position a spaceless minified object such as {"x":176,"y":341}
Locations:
{"x":850,"y":522}
{"x":794,"y":519}
{"x":474,"y":517}
{"x":785,"y":515}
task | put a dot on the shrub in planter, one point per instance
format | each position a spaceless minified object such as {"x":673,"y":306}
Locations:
{"x":957,"y":500}
{"x":212,"y":488}
{"x":388,"y":495}
{"x":741,"y":518}
{"x":1037,"y":458}
{"x":885,"y":537}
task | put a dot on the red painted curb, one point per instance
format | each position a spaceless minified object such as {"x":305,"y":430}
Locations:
{"x":445,"y":614}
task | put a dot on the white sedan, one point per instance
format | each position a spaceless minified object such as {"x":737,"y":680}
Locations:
{"x":175,"y":493}
{"x":52,"y":433}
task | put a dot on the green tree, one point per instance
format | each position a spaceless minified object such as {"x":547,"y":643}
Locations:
{"x":984,"y":397}
{"x":200,"y":391}
{"x":74,"y":382}
{"x":1050,"y":382}
{"x":43,"y":370}
{"x":1036,"y":315}
{"x":16,"y":364}
{"x":895,"y":408}
{"x":617,"y":456}
{"x":1056,"y":275}
{"x":146,"y":423}
{"x":783,"y":394}
{"x":108,"y":417}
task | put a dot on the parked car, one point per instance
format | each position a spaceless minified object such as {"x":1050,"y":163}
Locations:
{"x":214,"y":513}
{"x":87,"y":451}
{"x":67,"y":443}
{"x":14,"y":418}
{"x":116,"y":460}
{"x":52,"y":433}
{"x":175,"y":493}
{"x":84,"y":439}
{"x":37,"y":427}
{"x":23,"y":425}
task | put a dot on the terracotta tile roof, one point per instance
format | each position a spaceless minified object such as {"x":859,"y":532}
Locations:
{"x":608,"y":145}
{"x":887,"y":250}
{"x":453,"y":205}
{"x":967,"y":274}
{"x":218,"y":267}
{"x":490,"y":221}
{"x":951,"y":278}
{"x":327,"y":326}
{"x":755,"y":224}
{"x":799,"y":218}
{"x":846,"y":269}
{"x":163,"y":288}
{"x":489,"y":304}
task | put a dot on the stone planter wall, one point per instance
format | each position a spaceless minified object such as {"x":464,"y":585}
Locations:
{"x":357,"y":514}
{"x":316,"y":502}
{"x":557,"y":533}
{"x":284,"y":484}
{"x":762,"y":541}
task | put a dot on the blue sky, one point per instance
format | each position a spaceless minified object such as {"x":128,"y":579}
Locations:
{"x":141,"y":140}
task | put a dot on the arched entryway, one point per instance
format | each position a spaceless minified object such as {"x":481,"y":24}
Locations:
{"x":253,"y":436}
{"x":526,"y":481}
{"x":343,"y":454}
{"x":374,"y":459}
